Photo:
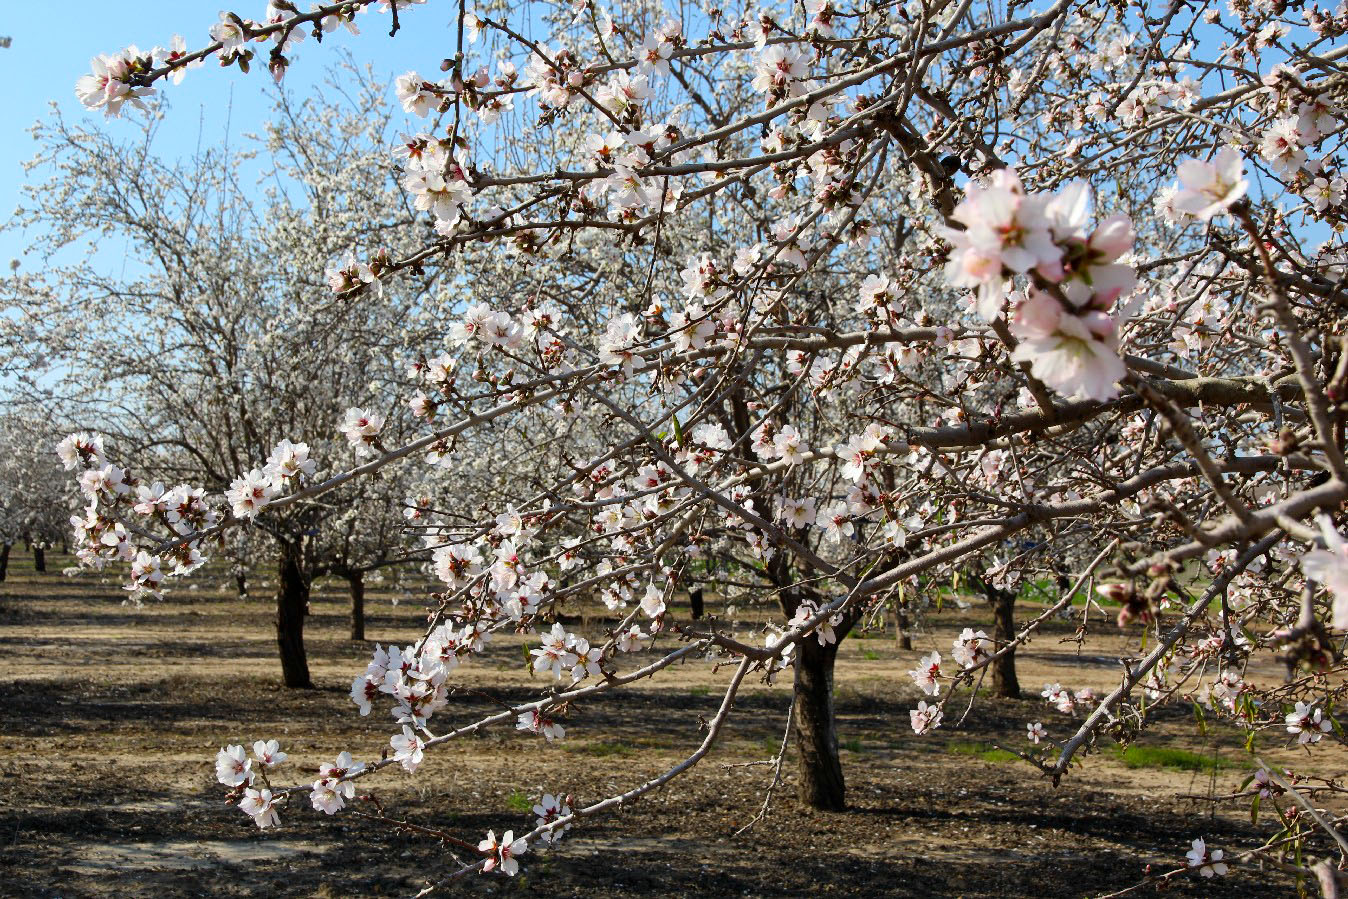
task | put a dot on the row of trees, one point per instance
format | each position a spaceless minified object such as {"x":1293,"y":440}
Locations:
{"x":218,"y":335}
{"x":842,"y":302}
{"x":35,"y":493}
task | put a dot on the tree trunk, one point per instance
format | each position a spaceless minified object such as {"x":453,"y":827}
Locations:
{"x":820,"y":769}
{"x":4,"y":560}
{"x":357,"y":581}
{"x":695,"y":600}
{"x":901,"y":630}
{"x":241,"y":581}
{"x":292,"y":595}
{"x":39,"y":558}
{"x":1004,"y":681}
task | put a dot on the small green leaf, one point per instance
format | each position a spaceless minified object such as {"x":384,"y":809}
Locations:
{"x":1200,"y":718}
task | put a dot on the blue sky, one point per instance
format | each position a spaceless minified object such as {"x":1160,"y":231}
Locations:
{"x":52,"y":44}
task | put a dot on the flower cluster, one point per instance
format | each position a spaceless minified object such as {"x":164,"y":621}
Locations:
{"x":361,"y":429}
{"x":334,"y":788}
{"x":1065,"y":700}
{"x":235,"y":769}
{"x":1062,"y":319}
{"x":549,"y":810}
{"x":434,"y":175}
{"x":927,"y":674}
{"x":972,"y":648}
{"x":925,"y":718}
{"x":112,"y":82}
{"x":415,"y":681}
{"x":101,"y":534}
{"x":248,"y":495}
{"x":502,"y":854}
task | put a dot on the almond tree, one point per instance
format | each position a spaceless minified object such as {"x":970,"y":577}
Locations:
{"x":220,"y":334}
{"x":36,"y":498}
{"x":853,"y":298}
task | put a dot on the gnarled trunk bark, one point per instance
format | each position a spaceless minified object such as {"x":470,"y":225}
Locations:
{"x":357,"y":581}
{"x":820,"y":772}
{"x":292,"y":598}
{"x":1004,"y":681}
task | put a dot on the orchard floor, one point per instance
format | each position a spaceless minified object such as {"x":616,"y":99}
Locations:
{"x":110,"y":718}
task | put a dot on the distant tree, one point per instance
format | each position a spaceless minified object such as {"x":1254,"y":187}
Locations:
{"x":36,"y":495}
{"x":220,"y":335}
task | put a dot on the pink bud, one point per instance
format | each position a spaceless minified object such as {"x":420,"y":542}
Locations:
{"x":1113,"y":237}
{"x":1037,"y":315}
{"x":1099,"y":324}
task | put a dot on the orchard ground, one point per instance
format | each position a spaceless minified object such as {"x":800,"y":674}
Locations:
{"x":110,"y":718}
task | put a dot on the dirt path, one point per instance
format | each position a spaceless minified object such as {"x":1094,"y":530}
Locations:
{"x":110,"y":717}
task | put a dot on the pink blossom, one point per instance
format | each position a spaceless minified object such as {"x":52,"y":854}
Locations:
{"x":1210,"y":188}
{"x":1079,"y":358}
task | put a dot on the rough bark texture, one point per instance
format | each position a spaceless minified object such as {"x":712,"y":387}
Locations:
{"x":357,"y":581}
{"x":4,"y":560}
{"x":40,"y":559}
{"x":292,"y":598}
{"x":820,"y":775}
{"x":1004,"y":681}
{"x":901,"y":626}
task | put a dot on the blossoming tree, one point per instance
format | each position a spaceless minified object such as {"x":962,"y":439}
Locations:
{"x":219,"y":337}
{"x":35,"y":496}
{"x":833,"y":302}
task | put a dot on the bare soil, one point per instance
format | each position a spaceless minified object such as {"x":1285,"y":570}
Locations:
{"x":110,"y":718}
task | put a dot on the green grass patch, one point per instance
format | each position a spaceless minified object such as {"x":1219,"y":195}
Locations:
{"x":519,"y":802}
{"x":852,"y":745}
{"x":700,"y":691}
{"x":768,"y":746}
{"x":870,"y":655}
{"x":1165,"y":757}
{"x":983,"y":751}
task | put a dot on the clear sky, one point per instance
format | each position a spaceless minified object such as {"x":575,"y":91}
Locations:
{"x":51,"y":44}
